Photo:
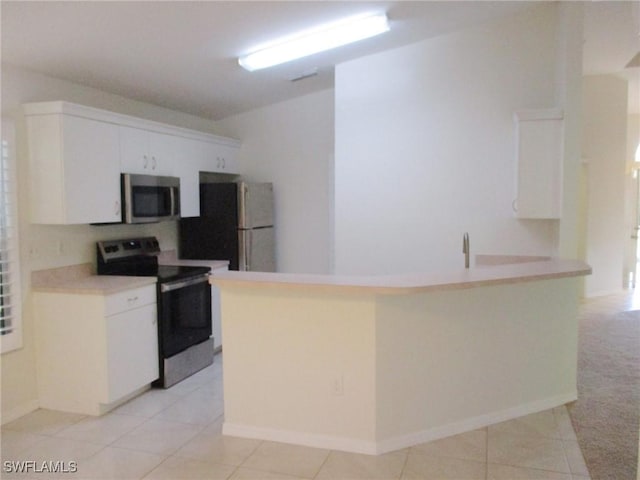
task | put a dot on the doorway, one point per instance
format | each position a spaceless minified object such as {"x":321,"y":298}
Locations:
{"x":632,"y":256}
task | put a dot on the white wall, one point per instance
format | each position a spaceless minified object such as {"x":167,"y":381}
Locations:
{"x":569,"y":98}
{"x":39,"y":242}
{"x":425,"y":146}
{"x":291,"y":145}
{"x":605,"y":151}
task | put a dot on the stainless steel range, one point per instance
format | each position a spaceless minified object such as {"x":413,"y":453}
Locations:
{"x":184,"y":304}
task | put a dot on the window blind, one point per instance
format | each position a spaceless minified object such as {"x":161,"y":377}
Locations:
{"x":10,"y":331}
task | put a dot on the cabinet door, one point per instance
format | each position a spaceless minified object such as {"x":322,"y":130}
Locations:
{"x":187,"y":168}
{"x":161,"y":153}
{"x":134,"y":150}
{"x":218,"y":158}
{"x":91,"y":171}
{"x":539,"y":138}
{"x":226,"y":159}
{"x":207,"y":160}
{"x":146,"y":152}
{"x":132,"y":350}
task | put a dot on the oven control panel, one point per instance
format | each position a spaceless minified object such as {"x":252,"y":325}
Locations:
{"x":119,"y":249}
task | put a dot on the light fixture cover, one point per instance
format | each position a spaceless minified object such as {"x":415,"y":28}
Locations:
{"x":318,"y":40}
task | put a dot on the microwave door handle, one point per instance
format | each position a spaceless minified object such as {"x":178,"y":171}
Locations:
{"x":173,"y":200}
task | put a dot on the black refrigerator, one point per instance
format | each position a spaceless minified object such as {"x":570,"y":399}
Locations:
{"x":235,"y":224}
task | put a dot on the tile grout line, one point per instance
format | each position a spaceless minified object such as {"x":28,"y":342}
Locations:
{"x":404,"y":465}
{"x":486,"y":454}
{"x":322,"y":465}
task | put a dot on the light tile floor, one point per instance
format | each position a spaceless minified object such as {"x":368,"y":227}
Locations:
{"x":176,"y":434}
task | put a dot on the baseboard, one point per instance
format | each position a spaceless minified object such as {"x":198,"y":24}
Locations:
{"x":299,"y":438}
{"x":15,"y":413}
{"x":603,"y":293}
{"x":473,"y":423}
{"x":399,"y":442}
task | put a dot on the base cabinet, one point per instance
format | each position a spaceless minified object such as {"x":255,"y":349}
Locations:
{"x":95,"y":351}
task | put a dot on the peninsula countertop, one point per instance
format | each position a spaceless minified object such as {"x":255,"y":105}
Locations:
{"x":375,"y":364}
{"x":493,"y":272}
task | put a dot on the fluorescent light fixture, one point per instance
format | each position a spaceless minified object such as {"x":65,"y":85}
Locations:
{"x":318,"y":40}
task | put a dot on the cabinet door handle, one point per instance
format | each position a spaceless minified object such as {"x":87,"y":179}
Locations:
{"x":116,"y":208}
{"x":132,"y":299}
{"x":145,"y":162}
{"x":154,"y":163}
{"x":224,"y":163}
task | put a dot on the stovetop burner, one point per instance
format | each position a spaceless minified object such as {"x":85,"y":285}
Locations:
{"x":138,"y":257}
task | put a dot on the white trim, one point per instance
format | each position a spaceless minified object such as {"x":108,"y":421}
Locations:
{"x":62,"y":107}
{"x":473,"y":423}
{"x":355,"y":445}
{"x":603,"y":293}
{"x":538,"y":114}
{"x":11,"y":340}
{"x":20,"y":411}
{"x":330,"y":442}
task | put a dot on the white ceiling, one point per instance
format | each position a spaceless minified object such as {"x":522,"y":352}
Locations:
{"x":182,"y":55}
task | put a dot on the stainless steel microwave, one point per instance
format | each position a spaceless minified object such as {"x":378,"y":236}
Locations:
{"x":150,"y":198}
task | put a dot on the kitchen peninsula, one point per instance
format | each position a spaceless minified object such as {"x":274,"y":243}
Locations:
{"x":372,"y":364}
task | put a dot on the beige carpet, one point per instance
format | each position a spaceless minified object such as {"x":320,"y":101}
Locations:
{"x":606,"y":414}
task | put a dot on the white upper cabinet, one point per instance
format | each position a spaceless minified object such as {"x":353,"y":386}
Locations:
{"x":146,"y":152}
{"x":219,"y":158}
{"x":77,"y":154}
{"x":187,"y":168}
{"x":226,"y":159}
{"x":540,"y":153}
{"x":200,"y":156}
{"x":74,"y":169}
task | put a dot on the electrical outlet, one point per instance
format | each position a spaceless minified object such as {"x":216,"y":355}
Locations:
{"x":337,"y":386}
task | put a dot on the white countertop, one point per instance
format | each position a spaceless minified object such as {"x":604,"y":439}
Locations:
{"x":522,"y":271}
{"x":79,"y":279}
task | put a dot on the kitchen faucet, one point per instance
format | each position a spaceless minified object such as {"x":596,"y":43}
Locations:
{"x":465,"y":249}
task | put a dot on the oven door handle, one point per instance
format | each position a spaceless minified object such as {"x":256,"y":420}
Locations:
{"x":168,"y":287}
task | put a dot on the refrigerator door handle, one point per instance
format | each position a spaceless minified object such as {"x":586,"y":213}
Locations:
{"x":244,"y":263}
{"x":243,"y":206}
{"x":248,"y":254}
{"x":247,"y":210}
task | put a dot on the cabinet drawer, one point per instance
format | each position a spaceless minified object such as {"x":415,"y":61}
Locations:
{"x":130,"y":299}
